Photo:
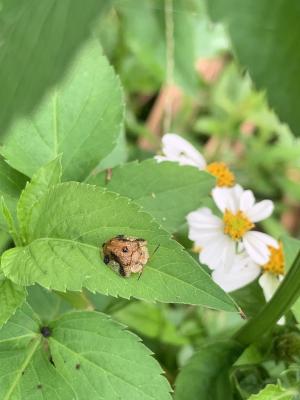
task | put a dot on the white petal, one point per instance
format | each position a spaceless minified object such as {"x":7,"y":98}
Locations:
{"x":175,"y":148}
{"x":256,"y":245}
{"x":216,"y":251}
{"x":242,"y":272}
{"x":227,"y":198}
{"x":160,"y":158}
{"x":203,"y":219}
{"x":247,"y":200}
{"x":260,"y":210}
{"x":269,"y":284}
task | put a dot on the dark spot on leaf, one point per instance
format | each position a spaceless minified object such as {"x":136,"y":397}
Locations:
{"x":39,"y":386}
{"x":77,"y":366}
{"x":46,"y":331}
{"x":51,"y":361}
{"x":23,"y":372}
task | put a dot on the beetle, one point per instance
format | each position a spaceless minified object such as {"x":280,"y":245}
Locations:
{"x":126,"y":254}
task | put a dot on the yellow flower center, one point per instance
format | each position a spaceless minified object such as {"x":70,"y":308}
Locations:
{"x":276,"y":261}
{"x":225,"y":178}
{"x":236,"y":225}
{"x":196,"y":248}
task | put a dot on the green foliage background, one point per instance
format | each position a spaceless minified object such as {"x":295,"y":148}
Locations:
{"x":80,"y":88}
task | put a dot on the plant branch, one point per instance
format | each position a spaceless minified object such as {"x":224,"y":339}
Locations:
{"x":281,"y":302}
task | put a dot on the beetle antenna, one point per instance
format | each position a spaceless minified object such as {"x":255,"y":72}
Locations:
{"x":157,"y":247}
{"x":140,"y":274}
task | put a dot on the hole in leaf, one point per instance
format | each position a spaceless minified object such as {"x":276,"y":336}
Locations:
{"x":46,"y":331}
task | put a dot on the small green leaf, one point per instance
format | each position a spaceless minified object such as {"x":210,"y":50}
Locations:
{"x":81,"y":118}
{"x":10,"y":223}
{"x":11,"y":185}
{"x":38,"y":42}
{"x":66,"y":230}
{"x":45,"y":177}
{"x":206,"y":375}
{"x":85,"y":355}
{"x":166,"y":190}
{"x":274,"y":392}
{"x":11,"y":297}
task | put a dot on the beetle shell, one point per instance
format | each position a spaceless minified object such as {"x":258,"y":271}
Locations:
{"x":126,"y":255}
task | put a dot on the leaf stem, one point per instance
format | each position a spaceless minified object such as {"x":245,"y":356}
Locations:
{"x":281,"y":302}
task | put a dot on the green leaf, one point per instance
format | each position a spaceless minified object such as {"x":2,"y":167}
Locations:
{"x":10,"y":223}
{"x":151,"y":321}
{"x":11,"y":297}
{"x":80,"y":117}
{"x":274,"y":392}
{"x":87,"y":356}
{"x":167,"y":191}
{"x":45,"y":177}
{"x":144,"y":60}
{"x":38,"y":42}
{"x":11,"y":185}
{"x":66,"y":230}
{"x":206,"y":375}
{"x":263,"y":40}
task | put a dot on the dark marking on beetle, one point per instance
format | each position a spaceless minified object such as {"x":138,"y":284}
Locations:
{"x":125,"y":249}
{"x":106,"y":259}
{"x":122,"y":271}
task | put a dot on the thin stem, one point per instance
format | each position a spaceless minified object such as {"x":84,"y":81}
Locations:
{"x":170,"y":45}
{"x":286,"y":295}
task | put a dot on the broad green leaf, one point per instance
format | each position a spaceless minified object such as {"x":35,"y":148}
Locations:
{"x":86,"y":356}
{"x":274,"y":392}
{"x":80,"y":117}
{"x":206,"y":375}
{"x":66,"y":230}
{"x":166,"y":190}
{"x":11,"y":297}
{"x":11,"y":185}
{"x":264,"y":38}
{"x":116,"y":157}
{"x":48,"y":305}
{"x":45,"y":177}
{"x":151,"y":321}
{"x":38,"y":41}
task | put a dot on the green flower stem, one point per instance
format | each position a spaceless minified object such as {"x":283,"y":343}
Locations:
{"x":281,"y":302}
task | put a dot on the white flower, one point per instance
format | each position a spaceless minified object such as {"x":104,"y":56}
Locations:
{"x":243,"y":271}
{"x":177,"y":149}
{"x":240,"y":273}
{"x":219,"y":238}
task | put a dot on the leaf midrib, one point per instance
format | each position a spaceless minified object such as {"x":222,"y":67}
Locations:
{"x":23,"y":367}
